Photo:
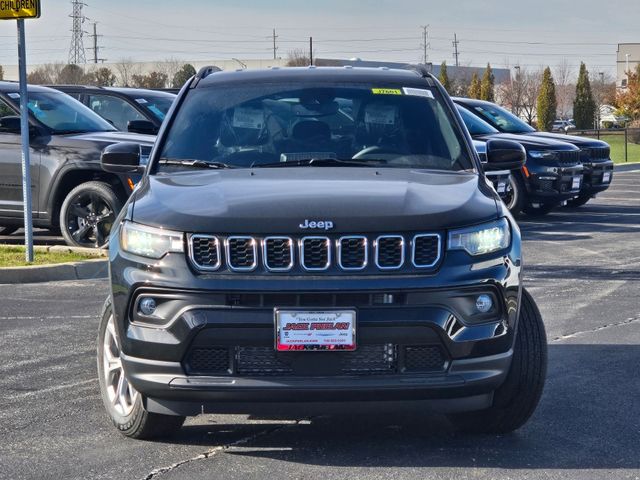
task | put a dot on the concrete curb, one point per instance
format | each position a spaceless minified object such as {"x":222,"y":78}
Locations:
{"x":626,"y":167}
{"x":85,"y":270}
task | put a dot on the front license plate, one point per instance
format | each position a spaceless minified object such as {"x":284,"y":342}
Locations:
{"x":502,"y":187}
{"x":315,"y":330}
{"x":576,"y":183}
{"x":606,"y":177}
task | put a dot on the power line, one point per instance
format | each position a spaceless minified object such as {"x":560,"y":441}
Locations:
{"x":275,"y":49}
{"x":425,"y":45}
{"x":96,"y":47}
{"x":76,"y":50}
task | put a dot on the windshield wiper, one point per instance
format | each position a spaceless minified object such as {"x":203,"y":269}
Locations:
{"x":321,"y":162}
{"x":194,"y":163}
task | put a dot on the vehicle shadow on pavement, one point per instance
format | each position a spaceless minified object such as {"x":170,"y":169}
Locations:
{"x":588,"y":419}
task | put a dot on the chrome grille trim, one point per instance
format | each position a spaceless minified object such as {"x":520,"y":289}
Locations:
{"x":192,"y":257}
{"x":376,"y":245}
{"x":366,"y":252}
{"x":413,"y":249}
{"x":302,"y":248}
{"x":265,"y":257}
{"x":255,"y":253}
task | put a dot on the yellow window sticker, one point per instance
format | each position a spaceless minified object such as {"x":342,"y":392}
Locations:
{"x":386,"y":91}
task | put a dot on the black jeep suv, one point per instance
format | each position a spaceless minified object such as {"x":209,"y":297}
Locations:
{"x":70,"y":190}
{"x":594,"y":154}
{"x":313,"y":235}
{"x":551,"y":175}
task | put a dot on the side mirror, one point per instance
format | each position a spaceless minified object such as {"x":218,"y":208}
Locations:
{"x":505,"y":155}
{"x":10,"y":124}
{"x":142,"y":126}
{"x":122,"y":158}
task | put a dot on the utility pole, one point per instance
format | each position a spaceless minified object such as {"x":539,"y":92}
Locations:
{"x":425,"y":45}
{"x":310,"y":50}
{"x":274,"y":44}
{"x":76,"y":50}
{"x":455,"y":48}
{"x":95,"y":47}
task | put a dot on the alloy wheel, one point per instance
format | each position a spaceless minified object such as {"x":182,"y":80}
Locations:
{"x":121,"y":394}
{"x":89,"y":219}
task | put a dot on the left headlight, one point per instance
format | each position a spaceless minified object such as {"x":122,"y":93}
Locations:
{"x":481,"y":239}
{"x":543,"y":154}
{"x":149,"y":242}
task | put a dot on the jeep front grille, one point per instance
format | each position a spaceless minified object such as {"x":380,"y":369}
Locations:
{"x":331,"y":254}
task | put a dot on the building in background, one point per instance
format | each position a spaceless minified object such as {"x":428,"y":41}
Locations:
{"x":627,"y":59}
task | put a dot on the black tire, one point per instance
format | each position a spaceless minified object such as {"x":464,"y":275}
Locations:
{"x":517,"y":197}
{"x":517,"y":398}
{"x":88,"y":213}
{"x":137,"y":423}
{"x":578,"y":201}
{"x":540,"y":210}
{"x":8,"y":230}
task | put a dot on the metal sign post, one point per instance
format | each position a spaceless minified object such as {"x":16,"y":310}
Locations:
{"x":24,"y":129}
{"x":19,"y":10}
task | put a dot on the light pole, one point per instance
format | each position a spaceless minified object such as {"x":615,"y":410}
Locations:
{"x":517,"y":93}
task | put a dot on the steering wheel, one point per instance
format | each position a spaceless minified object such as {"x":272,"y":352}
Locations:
{"x":369,"y":150}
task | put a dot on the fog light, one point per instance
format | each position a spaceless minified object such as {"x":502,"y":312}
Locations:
{"x":147,"y":306}
{"x":484,"y":303}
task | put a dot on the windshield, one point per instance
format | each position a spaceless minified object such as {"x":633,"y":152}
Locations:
{"x":502,"y":119}
{"x":475,"y":125}
{"x":62,"y":113}
{"x":157,"y":104}
{"x":282,"y":125}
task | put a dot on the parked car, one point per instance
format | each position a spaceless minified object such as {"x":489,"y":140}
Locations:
{"x":594,"y":154}
{"x":135,"y":110}
{"x":562,"y":126}
{"x":70,"y":190}
{"x":274,"y":252}
{"x":552,"y":173}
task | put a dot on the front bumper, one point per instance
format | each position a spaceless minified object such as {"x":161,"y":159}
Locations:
{"x":236,"y":313}
{"x":554,"y":184}
{"x":597,"y":177}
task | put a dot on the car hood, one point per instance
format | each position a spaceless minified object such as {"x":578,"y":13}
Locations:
{"x":113,"y":137}
{"x":531,"y":142}
{"x":278,"y":200}
{"x":580,"y":142}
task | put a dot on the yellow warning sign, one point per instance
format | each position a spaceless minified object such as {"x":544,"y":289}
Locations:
{"x":15,"y":9}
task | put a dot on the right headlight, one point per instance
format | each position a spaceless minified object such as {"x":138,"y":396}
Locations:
{"x":481,"y":239}
{"x":150,"y":242}
{"x":543,"y":154}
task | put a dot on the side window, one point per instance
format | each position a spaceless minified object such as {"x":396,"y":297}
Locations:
{"x":114,"y":109}
{"x":8,"y":125}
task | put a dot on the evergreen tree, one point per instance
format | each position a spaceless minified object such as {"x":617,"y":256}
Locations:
{"x":486,"y":88}
{"x":584,"y":106}
{"x":444,"y":78}
{"x":474,"y":87}
{"x":546,"y":105}
{"x":185,"y":73}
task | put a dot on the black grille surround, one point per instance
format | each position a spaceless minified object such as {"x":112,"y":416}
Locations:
{"x":319,"y":254}
{"x":366,"y":360}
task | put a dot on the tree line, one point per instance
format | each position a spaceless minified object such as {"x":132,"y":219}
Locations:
{"x":126,"y":73}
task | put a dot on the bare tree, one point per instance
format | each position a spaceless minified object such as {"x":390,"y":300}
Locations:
{"x":532,"y":80}
{"x":126,"y":69}
{"x":563,"y":77}
{"x":169,"y":67}
{"x":298,"y":58}
{"x":511,"y":93}
{"x":47,"y":74}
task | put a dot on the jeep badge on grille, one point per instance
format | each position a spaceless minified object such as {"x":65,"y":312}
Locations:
{"x":322,"y":224}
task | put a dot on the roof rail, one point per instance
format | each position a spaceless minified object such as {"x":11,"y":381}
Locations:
{"x":204,"y":72}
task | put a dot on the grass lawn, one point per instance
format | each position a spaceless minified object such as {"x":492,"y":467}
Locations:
{"x":11,"y":256}
{"x":617,"y":148}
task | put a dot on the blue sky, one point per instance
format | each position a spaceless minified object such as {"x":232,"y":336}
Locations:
{"x":499,"y":31}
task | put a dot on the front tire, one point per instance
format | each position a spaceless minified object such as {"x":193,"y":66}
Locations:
{"x":516,"y":198}
{"x":88,"y":213}
{"x":123,"y":403}
{"x":517,"y":398}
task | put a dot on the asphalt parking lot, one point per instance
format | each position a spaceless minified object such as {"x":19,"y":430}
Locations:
{"x":583,"y":268}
